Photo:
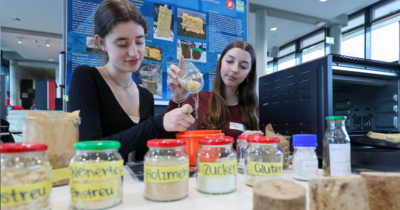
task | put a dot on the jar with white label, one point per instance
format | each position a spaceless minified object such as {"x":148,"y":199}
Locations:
{"x":25,"y":176}
{"x":305,"y":160}
{"x":166,"y":170}
{"x":241,"y":147}
{"x":263,"y":160}
{"x":216,"y":165}
{"x":336,"y":142}
{"x":96,"y":173}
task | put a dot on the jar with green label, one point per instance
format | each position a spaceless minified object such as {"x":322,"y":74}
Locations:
{"x":25,"y":176}
{"x":166,"y":170}
{"x":263,"y":160}
{"x":96,"y":173}
{"x":216,"y":165}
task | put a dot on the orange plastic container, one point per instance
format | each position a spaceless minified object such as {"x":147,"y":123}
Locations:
{"x":192,"y":141}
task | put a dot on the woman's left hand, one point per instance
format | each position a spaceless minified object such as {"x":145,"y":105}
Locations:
{"x":248,"y":132}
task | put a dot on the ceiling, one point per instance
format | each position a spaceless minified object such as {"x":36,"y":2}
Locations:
{"x":45,"y":17}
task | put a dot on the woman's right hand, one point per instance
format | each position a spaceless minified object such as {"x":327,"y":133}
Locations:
{"x":178,"y":92}
{"x":179,"y":119}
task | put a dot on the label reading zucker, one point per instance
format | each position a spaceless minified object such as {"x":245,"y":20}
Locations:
{"x":265,"y":169}
{"x":96,"y":171}
{"x":166,"y":174}
{"x":218,"y":169}
{"x":93,"y":191}
{"x":16,"y":195}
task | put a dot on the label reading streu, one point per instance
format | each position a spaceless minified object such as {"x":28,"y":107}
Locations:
{"x":16,"y":195}
{"x":96,"y":171}
{"x":166,"y":174}
{"x":218,"y":169}
{"x":265,"y":169}
{"x":94,"y":191}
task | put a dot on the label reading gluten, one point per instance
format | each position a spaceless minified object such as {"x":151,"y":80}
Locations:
{"x":94,"y":191}
{"x":218,"y":169}
{"x":166,"y":174}
{"x":265,"y":169}
{"x":21,"y":194}
{"x":96,"y":171}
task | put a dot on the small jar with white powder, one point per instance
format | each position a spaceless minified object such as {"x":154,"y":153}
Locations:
{"x":305,"y":160}
{"x":216,"y":165}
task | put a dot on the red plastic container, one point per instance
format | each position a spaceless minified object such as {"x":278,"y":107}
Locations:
{"x":192,"y":141}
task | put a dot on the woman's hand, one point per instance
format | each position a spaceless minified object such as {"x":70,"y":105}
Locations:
{"x":248,"y":132}
{"x":179,"y":119}
{"x":178,"y":92}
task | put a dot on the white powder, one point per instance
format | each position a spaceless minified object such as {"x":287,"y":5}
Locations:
{"x":225,"y":184}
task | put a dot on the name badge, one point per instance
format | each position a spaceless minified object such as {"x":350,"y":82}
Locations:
{"x":236,"y":126}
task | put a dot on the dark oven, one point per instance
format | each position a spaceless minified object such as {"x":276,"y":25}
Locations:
{"x":297,"y":100}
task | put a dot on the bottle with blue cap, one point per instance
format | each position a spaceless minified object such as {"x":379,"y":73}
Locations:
{"x":305,"y":160}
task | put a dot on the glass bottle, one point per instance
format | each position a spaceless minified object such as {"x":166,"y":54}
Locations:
{"x":191,"y":78}
{"x":336,"y":142}
{"x":241,"y":147}
{"x":305,"y":160}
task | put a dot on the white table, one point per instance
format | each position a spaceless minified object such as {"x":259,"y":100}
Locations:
{"x":133,"y":191}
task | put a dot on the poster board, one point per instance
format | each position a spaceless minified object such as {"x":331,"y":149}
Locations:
{"x":218,"y":22}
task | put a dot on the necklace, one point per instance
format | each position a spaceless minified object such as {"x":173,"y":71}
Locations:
{"x":125,"y":88}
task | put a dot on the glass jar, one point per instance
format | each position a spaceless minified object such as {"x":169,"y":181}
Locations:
{"x":96,"y":167}
{"x":263,"y":160}
{"x":216,"y":165}
{"x":285,"y":147}
{"x":241,"y":147}
{"x":336,"y":153}
{"x":166,"y":170}
{"x":305,"y":160}
{"x":190,"y":78}
{"x":25,"y":176}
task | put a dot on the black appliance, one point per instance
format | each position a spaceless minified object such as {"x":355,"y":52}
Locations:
{"x":297,"y":100}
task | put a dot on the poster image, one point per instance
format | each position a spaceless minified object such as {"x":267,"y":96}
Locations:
{"x":163,"y":22}
{"x":149,"y":76}
{"x":92,"y":46}
{"x":191,"y":51}
{"x":153,"y":53}
{"x":192,"y":24}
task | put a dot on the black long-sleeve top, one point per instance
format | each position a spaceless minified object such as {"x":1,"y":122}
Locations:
{"x":102,"y":117}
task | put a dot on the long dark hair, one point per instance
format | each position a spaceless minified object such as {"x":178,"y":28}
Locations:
{"x":248,"y":101}
{"x":112,"y":12}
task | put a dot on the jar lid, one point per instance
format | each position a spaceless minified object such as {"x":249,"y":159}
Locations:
{"x":248,"y":136}
{"x":335,"y":118}
{"x":263,"y":140}
{"x":97,"y":145}
{"x":22,"y":147}
{"x":216,"y":140}
{"x":305,"y":140}
{"x":166,"y":143}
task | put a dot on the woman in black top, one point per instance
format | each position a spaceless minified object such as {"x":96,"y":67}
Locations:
{"x":112,"y":106}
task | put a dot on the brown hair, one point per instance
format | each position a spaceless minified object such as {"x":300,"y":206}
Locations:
{"x":112,"y":12}
{"x":248,"y":101}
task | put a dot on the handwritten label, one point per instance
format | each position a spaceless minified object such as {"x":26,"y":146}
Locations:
{"x":96,"y":171}
{"x":59,"y":174}
{"x":236,"y":126}
{"x":94,"y":191}
{"x":339,"y":155}
{"x":310,"y":165}
{"x":166,"y":174}
{"x":218,"y":169}
{"x":16,"y":195}
{"x":265,"y":169}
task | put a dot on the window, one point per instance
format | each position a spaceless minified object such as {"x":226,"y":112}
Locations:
{"x":386,"y":9}
{"x":287,"y":50}
{"x":286,"y":62}
{"x":313,"y":52}
{"x":313,"y":39}
{"x":353,"y":43}
{"x":357,"y":21}
{"x":270,"y":67}
{"x":385,"y":40}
